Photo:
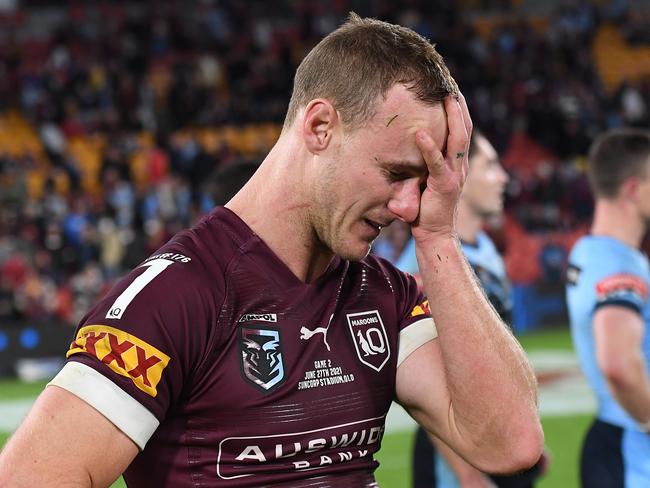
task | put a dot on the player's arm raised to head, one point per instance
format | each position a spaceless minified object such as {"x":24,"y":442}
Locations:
{"x":64,"y":443}
{"x":618,"y":333}
{"x":473,"y":386}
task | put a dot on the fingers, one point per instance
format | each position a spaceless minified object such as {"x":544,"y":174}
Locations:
{"x":460,"y":129}
{"x":432,"y":155}
{"x":458,"y":140}
{"x":466,"y":118}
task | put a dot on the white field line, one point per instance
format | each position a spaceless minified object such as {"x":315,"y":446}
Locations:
{"x":563,"y":391}
{"x":12,"y":412}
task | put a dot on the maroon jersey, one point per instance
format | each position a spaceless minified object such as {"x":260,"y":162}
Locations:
{"x":227,"y":370}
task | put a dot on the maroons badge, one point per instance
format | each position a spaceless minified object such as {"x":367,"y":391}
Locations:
{"x":370,"y":339}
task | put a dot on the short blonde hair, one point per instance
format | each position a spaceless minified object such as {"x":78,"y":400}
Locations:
{"x":362,"y":60}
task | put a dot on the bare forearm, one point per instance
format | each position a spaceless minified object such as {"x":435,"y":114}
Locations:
{"x":631,"y":388}
{"x":486,"y":369}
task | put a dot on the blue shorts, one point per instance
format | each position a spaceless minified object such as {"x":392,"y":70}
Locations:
{"x":613,"y":457}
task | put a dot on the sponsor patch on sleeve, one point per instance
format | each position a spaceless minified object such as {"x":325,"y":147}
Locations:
{"x":123,"y":353}
{"x":421,"y":309}
{"x":619,"y":285}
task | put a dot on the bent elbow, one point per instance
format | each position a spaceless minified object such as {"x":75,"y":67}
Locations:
{"x":523,"y":450}
{"x":617,"y":372}
{"x":529,"y":453}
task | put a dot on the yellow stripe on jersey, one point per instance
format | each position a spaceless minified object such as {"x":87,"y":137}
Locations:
{"x":123,"y":353}
{"x":421,"y":309}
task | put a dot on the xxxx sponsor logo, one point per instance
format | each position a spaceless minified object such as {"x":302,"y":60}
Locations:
{"x":421,"y":309}
{"x":123,"y":353}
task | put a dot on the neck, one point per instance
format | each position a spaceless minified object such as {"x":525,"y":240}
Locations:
{"x":468,"y":223}
{"x":620,"y":220}
{"x":275,"y":205}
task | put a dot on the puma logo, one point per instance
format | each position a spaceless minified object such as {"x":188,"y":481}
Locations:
{"x":306,"y":334}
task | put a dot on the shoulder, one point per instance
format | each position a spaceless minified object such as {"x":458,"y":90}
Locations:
{"x":602,"y":256}
{"x":383,"y":268}
{"x":213,"y":242}
{"x":185,"y":277}
{"x":483,"y":249}
{"x":607,"y":272}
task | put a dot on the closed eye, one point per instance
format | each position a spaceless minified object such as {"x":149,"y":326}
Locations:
{"x":399,"y":171}
{"x":392,"y":175}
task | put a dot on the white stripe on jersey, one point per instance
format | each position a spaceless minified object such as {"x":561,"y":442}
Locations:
{"x":110,"y":400}
{"x":414,"y":336}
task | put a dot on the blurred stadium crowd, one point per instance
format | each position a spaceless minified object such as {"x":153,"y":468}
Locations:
{"x":114,"y":117}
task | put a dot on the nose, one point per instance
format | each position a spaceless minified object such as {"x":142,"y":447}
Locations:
{"x":405,"y":201}
{"x":504,"y":177}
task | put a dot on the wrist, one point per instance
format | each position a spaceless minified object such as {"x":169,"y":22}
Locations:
{"x":437,"y":245}
{"x":434,"y":238}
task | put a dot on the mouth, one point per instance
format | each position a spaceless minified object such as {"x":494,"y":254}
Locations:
{"x":375,"y":225}
{"x":372,"y":229}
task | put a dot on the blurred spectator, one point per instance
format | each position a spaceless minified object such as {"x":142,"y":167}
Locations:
{"x":118,"y":119}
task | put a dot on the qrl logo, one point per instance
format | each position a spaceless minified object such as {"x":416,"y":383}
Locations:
{"x":370,"y":339}
{"x":262,"y":363}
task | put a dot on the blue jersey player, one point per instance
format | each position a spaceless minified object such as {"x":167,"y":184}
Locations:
{"x":607,"y":295}
{"x":434,"y":463}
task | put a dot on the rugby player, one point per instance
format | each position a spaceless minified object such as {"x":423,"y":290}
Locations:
{"x":264,"y":346}
{"x":607,"y":296}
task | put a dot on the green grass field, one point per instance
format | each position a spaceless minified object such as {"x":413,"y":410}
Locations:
{"x":563,"y":433}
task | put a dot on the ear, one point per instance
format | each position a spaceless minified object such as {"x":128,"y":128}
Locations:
{"x":319,"y":122}
{"x":630,"y":187}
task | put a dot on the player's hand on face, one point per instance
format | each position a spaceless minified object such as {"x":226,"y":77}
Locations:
{"x":447,"y":173}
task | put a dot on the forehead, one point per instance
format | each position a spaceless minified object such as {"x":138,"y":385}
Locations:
{"x":483,"y":151}
{"x":400,"y":115}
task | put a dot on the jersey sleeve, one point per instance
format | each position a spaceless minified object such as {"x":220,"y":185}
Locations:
{"x":133,"y":353}
{"x":625,"y":289}
{"x":416,"y":326}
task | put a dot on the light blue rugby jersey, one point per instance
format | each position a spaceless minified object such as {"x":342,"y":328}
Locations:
{"x":407,"y":261}
{"x":487,"y":263}
{"x":605,"y":271}
{"x":483,"y":254}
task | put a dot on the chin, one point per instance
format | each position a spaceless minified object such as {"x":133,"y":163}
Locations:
{"x":353,"y":252}
{"x":489,"y":213}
